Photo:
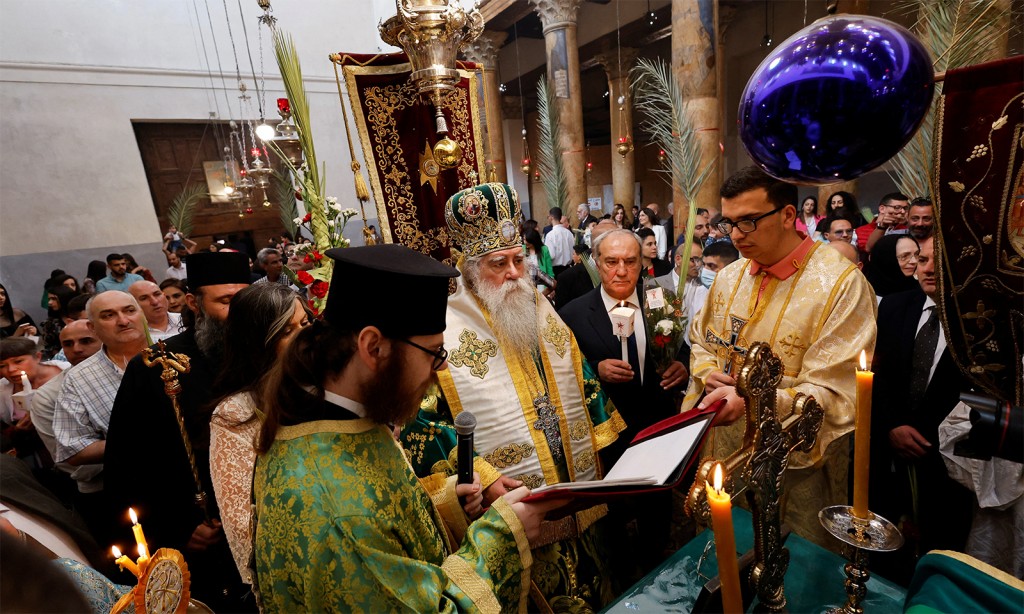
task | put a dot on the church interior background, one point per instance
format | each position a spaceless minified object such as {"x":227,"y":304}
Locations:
{"x":108,"y":111}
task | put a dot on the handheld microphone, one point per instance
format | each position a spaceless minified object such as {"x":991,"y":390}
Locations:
{"x":465,"y":424}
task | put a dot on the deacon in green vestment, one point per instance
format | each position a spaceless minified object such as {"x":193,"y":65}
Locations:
{"x":343,"y":524}
{"x":541,"y":414}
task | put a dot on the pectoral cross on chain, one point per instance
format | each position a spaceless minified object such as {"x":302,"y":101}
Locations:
{"x":729,"y":350}
{"x":547,"y":421}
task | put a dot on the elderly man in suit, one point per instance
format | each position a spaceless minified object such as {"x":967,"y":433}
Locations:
{"x":917,"y":384}
{"x":641,"y":395}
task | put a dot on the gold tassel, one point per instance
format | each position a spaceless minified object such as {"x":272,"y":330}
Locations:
{"x":362,"y":192}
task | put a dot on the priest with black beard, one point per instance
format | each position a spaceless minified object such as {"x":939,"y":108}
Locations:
{"x":146,"y":465}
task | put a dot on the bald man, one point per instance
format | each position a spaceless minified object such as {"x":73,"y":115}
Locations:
{"x":848,"y":251}
{"x":162,"y":323}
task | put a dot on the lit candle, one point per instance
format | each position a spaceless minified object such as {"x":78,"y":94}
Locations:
{"x":862,"y":439}
{"x":140,"y":538}
{"x":123,"y":561}
{"x":725,"y":544}
{"x":26,"y":386}
{"x":622,"y":326}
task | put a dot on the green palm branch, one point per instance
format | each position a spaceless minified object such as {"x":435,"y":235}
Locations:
{"x":957,"y":33}
{"x":183,"y":208}
{"x":288,"y":208}
{"x":551,"y":165}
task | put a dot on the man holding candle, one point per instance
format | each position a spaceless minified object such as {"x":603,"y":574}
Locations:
{"x":816,"y":310}
{"x":146,"y":465}
{"x":541,"y":415}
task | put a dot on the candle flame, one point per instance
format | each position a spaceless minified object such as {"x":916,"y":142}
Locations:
{"x":718,"y":477}
{"x":863,"y":360}
{"x":141,"y":551}
{"x":116,"y":552}
{"x":131,"y":514}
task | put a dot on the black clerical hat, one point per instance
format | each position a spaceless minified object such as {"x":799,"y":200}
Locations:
{"x":215,"y":268}
{"x":400,"y":291}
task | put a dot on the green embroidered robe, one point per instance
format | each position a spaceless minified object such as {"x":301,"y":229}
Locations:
{"x":345,"y":526}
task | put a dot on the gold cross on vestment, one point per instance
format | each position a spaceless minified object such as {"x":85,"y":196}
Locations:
{"x":728,"y":350}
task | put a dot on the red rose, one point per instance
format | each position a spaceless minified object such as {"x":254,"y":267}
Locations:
{"x":307,"y":217}
{"x":319,"y":288}
{"x":304,"y":277}
{"x":317,"y":256}
{"x":312,"y":307}
{"x":283,"y":105}
{"x":307,"y":259}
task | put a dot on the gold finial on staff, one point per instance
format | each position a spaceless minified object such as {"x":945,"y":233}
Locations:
{"x":172,"y":365}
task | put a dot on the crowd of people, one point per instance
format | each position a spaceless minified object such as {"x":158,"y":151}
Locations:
{"x":309,"y":463}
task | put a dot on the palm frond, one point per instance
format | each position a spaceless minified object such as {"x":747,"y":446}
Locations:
{"x":549,"y":155}
{"x":288,"y":207}
{"x":659,"y":99}
{"x":291,"y":75}
{"x":956,"y":33}
{"x":183,"y":208}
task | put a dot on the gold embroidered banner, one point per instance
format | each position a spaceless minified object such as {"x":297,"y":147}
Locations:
{"x":979,"y":205}
{"x":396,"y":131}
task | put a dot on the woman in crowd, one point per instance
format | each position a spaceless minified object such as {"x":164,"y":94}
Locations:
{"x":263,"y":319}
{"x":537,"y":253}
{"x":619,"y":216}
{"x":14,"y":322}
{"x":892,"y":264}
{"x":844,"y":205}
{"x":807,"y":221}
{"x":135,"y":267}
{"x":174,"y":290}
{"x":649,"y":219}
{"x":97,"y":270}
{"x":58,"y":299}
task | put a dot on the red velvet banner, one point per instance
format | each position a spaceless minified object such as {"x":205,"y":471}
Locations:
{"x":979,"y":204}
{"x":396,"y":131}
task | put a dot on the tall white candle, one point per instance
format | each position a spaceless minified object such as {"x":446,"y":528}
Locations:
{"x":26,"y":386}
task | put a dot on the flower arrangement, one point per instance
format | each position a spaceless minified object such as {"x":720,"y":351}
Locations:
{"x":665,"y":322}
{"x":317,"y":278}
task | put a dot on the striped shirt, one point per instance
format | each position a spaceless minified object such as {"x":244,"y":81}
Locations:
{"x":83,"y":407}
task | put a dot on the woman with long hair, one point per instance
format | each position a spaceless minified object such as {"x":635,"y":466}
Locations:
{"x":844,"y":205}
{"x":174,"y":291}
{"x":262,"y":320}
{"x":619,"y":216}
{"x":539,"y":257}
{"x":649,"y":219}
{"x":14,"y":322}
{"x":97,"y":270}
{"x":807,"y":220}
{"x":58,"y":299}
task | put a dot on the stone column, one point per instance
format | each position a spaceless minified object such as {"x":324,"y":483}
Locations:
{"x":694,"y":53}
{"x":484,"y":51}
{"x":617,"y":64}
{"x":559,"y":20}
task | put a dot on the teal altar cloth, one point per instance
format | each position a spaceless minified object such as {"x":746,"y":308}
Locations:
{"x":814,"y":580}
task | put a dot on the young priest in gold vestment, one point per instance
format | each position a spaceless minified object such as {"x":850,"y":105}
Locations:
{"x":815,"y":309}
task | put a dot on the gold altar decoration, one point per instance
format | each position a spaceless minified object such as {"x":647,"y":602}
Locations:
{"x":172,"y":364}
{"x":760,"y":465}
{"x":431,"y":32}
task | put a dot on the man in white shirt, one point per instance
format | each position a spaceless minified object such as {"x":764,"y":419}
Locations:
{"x":162,"y":323}
{"x":175,"y":267}
{"x":694,"y":292}
{"x":559,"y":242}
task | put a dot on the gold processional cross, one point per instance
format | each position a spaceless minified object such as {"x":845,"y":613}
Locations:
{"x":729,"y":349}
{"x":172,"y":364}
{"x":761,"y":462}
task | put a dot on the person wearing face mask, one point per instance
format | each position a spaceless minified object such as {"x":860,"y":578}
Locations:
{"x":694,"y":293}
{"x":716,"y":257}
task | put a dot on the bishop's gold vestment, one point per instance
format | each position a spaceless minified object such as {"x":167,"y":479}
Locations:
{"x":817,"y":321}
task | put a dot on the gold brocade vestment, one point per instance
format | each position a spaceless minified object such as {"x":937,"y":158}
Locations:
{"x":817,"y":321}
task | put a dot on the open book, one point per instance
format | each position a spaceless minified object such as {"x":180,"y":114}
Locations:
{"x":656,"y":460}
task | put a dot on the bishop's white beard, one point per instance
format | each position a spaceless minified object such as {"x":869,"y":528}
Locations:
{"x":513,"y":312}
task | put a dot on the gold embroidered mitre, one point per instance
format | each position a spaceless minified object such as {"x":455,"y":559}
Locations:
{"x":484,"y":219}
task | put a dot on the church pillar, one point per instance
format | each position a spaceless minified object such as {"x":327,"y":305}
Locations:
{"x":694,"y":53}
{"x":559,"y":20}
{"x":484,"y":51}
{"x":617,"y":64}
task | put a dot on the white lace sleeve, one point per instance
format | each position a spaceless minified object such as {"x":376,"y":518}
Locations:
{"x":233,"y":432}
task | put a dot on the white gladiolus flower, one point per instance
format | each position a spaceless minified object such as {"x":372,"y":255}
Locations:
{"x":663,"y":327}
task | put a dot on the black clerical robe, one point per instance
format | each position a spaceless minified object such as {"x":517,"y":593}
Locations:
{"x":146,"y":467}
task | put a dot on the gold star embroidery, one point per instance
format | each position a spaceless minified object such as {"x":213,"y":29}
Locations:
{"x":473,"y":353}
{"x":429,"y":167}
{"x":557,"y":336}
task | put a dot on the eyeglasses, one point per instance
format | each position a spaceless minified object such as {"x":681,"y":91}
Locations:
{"x":907,"y":257}
{"x":745,"y":226}
{"x":440,"y":354}
{"x":842,"y":233}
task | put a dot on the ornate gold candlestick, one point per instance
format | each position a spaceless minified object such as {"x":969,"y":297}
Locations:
{"x":873,"y":534}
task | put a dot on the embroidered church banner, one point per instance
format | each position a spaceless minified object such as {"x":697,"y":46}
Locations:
{"x":979,"y":205}
{"x":397,"y":131}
